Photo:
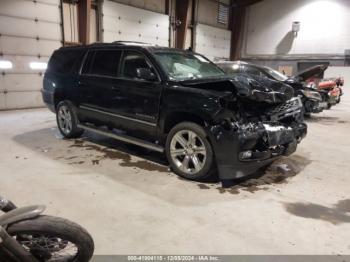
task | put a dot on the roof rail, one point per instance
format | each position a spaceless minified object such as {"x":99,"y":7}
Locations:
{"x":130,"y":43}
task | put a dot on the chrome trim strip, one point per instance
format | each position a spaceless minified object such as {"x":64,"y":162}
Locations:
{"x":116,"y":115}
{"x":125,"y":138}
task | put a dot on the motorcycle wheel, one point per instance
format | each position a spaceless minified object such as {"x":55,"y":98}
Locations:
{"x":53,"y":239}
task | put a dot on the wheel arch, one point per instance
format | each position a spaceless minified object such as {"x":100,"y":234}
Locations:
{"x":174,"y":118}
{"x":58,"y":97}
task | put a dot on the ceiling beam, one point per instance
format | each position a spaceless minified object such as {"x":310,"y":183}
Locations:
{"x":181,"y":22}
{"x":84,"y":10}
{"x":236,"y":24}
{"x":244,"y":3}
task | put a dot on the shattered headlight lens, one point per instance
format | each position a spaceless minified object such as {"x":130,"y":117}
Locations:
{"x":312,"y":95}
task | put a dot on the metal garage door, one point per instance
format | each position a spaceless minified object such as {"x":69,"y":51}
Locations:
{"x":213,"y":42}
{"x":122,"y":22}
{"x":29,"y":32}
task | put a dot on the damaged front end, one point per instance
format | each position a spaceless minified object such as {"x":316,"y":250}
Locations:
{"x":259,"y":122}
{"x":243,"y":148}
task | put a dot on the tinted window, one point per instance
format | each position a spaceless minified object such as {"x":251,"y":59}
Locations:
{"x":88,"y":61}
{"x":65,"y":61}
{"x":131,"y":62}
{"x":105,"y":62}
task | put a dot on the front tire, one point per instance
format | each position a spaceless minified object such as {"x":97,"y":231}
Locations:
{"x":189,"y":152}
{"x":49,"y":238}
{"x":67,"y":120}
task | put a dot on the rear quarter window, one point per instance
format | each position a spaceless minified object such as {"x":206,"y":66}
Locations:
{"x":66,"y":61}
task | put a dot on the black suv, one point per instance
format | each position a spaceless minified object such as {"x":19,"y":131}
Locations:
{"x":175,"y":101}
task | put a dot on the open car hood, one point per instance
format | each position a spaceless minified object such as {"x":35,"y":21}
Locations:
{"x":257,"y":88}
{"x":310,"y":72}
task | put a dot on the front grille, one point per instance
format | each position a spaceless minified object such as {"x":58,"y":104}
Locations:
{"x":291,"y":108}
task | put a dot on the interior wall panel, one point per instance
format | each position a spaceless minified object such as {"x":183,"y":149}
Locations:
{"x":29,"y":32}
{"x":28,"y":46}
{"x":2,"y":101}
{"x":29,"y":28}
{"x":151,"y":5}
{"x":30,"y":10}
{"x":26,"y":82}
{"x":22,"y":99}
{"x":213,"y":42}
{"x":126,"y":23}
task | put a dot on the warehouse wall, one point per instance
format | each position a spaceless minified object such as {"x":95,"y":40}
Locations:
{"x":324,"y":28}
{"x":212,"y":39}
{"x":213,"y":42}
{"x":207,"y":13}
{"x":123,"y":22}
{"x":29,"y":32}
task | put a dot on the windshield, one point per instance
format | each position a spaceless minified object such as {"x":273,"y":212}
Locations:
{"x":275,"y":74}
{"x":185,"y":66}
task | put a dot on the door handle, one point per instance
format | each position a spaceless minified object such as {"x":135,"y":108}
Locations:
{"x":115,"y":88}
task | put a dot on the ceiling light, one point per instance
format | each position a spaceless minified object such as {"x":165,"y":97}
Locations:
{"x":4,"y":64}
{"x":38,"y":65}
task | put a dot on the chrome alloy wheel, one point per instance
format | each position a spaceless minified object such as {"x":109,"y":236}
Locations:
{"x":65,"y":119}
{"x":188,"y":151}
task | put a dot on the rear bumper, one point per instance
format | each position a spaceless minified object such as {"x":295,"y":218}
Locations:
{"x":242,"y":149}
{"x":48,"y":98}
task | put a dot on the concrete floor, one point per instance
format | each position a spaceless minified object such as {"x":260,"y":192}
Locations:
{"x":132,"y":204}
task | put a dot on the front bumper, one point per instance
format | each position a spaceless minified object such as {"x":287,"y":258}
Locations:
{"x":241,"y":150}
{"x":332,"y":100}
{"x":312,"y":106}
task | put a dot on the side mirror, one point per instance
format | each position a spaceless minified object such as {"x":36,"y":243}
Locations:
{"x":145,"y":74}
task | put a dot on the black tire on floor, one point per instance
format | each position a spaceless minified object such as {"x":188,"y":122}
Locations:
{"x":60,"y":228}
{"x":208,"y":168}
{"x":74,"y":132}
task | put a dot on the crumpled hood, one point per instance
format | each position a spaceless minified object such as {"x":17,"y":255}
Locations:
{"x":310,"y":72}
{"x":257,"y":88}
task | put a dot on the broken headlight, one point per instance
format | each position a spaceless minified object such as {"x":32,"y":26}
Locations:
{"x":312,"y":95}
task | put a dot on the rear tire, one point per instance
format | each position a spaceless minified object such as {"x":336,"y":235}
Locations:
{"x":54,"y":229}
{"x":189,"y":152}
{"x":67,"y":120}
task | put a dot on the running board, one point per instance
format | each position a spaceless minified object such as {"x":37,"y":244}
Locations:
{"x":124,"y":138}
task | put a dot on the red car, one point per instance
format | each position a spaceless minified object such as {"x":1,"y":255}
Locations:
{"x":333,"y":90}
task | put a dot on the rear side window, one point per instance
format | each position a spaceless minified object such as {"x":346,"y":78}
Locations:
{"x":105,"y":62}
{"x":66,"y":61}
